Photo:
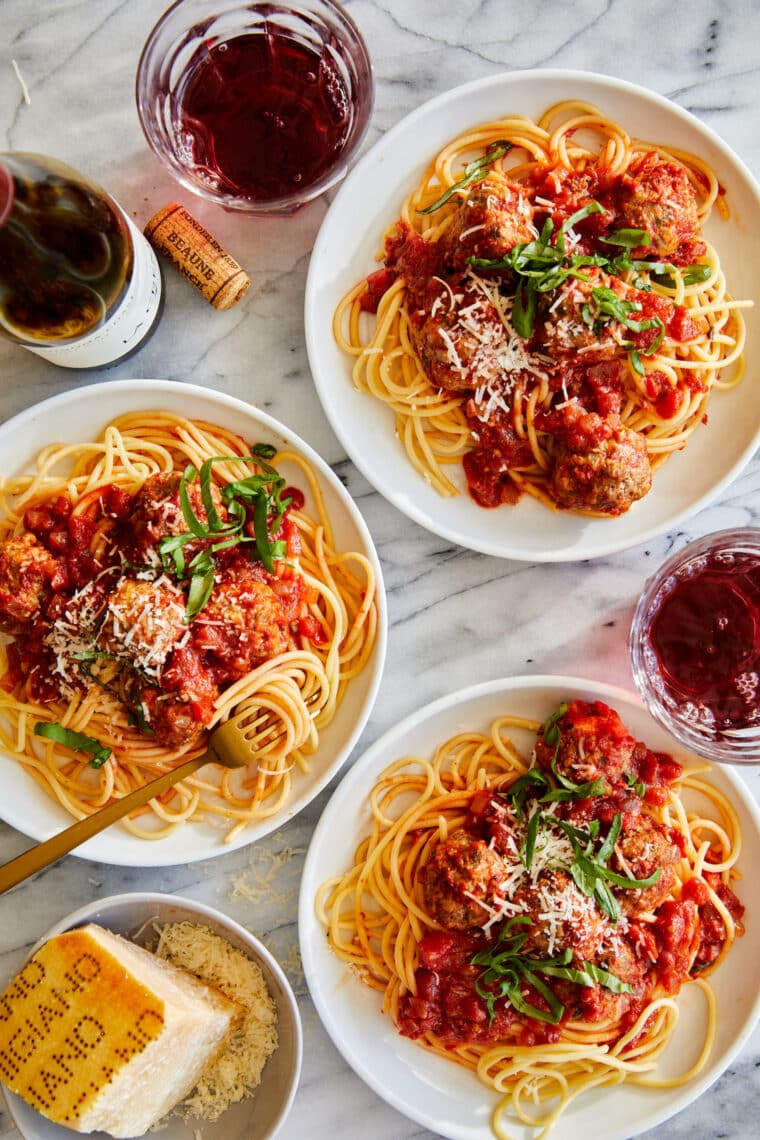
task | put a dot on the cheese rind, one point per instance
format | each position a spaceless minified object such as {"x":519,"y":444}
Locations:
{"x":98,"y":1034}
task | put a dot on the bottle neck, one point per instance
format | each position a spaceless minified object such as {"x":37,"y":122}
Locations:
{"x":7,"y":193}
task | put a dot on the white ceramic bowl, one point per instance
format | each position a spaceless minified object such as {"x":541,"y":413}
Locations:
{"x":437,"y":1093}
{"x":256,"y":1118}
{"x":78,"y":415}
{"x":352,"y":233}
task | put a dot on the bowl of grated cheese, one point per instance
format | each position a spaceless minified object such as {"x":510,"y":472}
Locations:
{"x":244,"y":1093}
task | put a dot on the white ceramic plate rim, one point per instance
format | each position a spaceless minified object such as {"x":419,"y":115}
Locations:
{"x":359,"y":209}
{"x":23,"y":805}
{"x":350,"y":1011}
{"x":27,"y":1119}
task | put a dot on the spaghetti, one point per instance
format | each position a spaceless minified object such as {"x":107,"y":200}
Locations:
{"x":535,"y":924}
{"x":548,"y":313}
{"x":154,"y":581}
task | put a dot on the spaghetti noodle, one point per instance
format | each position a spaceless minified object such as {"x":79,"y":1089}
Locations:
{"x":151,"y":583}
{"x":535,"y":924}
{"x":548,"y":313}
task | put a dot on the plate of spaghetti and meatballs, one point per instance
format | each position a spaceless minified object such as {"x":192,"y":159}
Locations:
{"x":523,"y":334}
{"x":171,"y":557}
{"x":524,"y":913}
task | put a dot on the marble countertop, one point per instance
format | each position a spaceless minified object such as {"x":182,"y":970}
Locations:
{"x":78,"y":60}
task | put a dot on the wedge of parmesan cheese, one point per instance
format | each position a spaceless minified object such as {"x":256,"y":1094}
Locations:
{"x":98,"y":1034}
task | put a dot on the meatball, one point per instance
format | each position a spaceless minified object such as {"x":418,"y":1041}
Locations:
{"x":614,"y":954}
{"x":606,"y":478}
{"x":593,"y":743}
{"x":561,"y":917}
{"x":178,"y":712}
{"x":241,"y":625}
{"x":570,"y":191}
{"x":143,"y":622}
{"x":26,"y":569}
{"x":643,"y":848}
{"x":460,"y":339}
{"x":157,"y":513}
{"x":170,"y":718}
{"x":490,"y":221}
{"x":658,"y":197}
{"x":461,"y":880}
{"x":568,"y":326}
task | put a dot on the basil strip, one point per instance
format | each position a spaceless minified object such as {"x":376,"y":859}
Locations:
{"x":528,"y":848}
{"x":579,"y":215}
{"x":589,"y":975}
{"x":524,"y":310}
{"x":194,"y":524}
{"x":630,"y":238}
{"x":550,"y":730}
{"x":605,"y":851}
{"x":690,"y":275}
{"x":77,"y":741}
{"x":201,"y":586}
{"x":263,"y":544}
{"x":474,"y":171}
{"x":636,"y":364}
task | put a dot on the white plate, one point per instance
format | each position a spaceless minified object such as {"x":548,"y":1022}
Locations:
{"x":81,"y":414}
{"x":345,"y":250}
{"x":440,"y":1095}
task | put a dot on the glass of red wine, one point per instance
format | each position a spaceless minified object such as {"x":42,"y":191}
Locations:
{"x":695,"y":646}
{"x":259,"y":107}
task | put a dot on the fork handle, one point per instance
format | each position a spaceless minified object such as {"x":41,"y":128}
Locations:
{"x":50,"y":850}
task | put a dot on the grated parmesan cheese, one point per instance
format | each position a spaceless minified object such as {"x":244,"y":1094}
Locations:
{"x":237,"y":1072}
{"x":257,"y":884}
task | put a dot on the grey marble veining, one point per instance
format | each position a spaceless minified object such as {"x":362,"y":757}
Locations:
{"x":455,"y":616}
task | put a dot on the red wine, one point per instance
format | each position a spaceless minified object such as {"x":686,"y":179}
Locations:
{"x":264,"y":114}
{"x":705,"y":633}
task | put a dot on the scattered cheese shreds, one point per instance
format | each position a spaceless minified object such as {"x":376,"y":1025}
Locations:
{"x":24,"y":89}
{"x":257,"y":883}
{"x":237,"y":1072}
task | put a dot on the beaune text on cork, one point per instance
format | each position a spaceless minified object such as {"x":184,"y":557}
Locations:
{"x":197,"y":255}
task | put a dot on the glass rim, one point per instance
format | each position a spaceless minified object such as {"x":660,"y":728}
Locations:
{"x":733,"y":747}
{"x":286,"y":203}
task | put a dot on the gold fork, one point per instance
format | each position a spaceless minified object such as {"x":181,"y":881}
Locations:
{"x":232,"y":744}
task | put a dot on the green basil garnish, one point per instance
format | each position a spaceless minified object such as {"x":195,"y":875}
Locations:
{"x":262,"y":492}
{"x":507,"y":970}
{"x":77,"y":741}
{"x":474,"y":171}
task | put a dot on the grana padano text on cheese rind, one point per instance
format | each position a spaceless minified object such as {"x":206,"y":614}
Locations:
{"x":97,"y":1033}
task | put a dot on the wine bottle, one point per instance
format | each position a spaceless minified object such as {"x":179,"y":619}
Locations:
{"x":79,"y":284}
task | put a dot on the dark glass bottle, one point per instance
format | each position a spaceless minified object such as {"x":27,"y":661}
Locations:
{"x":79,"y":284}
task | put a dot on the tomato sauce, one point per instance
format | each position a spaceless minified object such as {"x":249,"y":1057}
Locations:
{"x":454,"y":1000}
{"x":61,"y":573}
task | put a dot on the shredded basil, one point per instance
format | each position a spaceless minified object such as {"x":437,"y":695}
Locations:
{"x":507,"y":970}
{"x":77,"y":741}
{"x":543,"y":265}
{"x":629,"y":238}
{"x":589,"y":870}
{"x":262,"y":492}
{"x":639,"y":787}
{"x":474,"y":172}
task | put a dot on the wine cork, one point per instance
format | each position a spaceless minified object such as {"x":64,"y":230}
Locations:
{"x":197,"y":255}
